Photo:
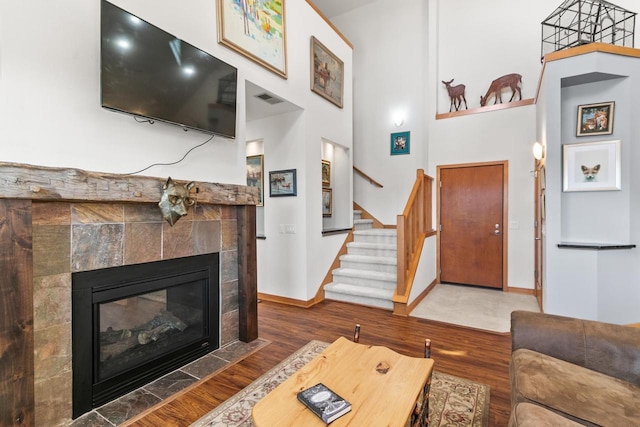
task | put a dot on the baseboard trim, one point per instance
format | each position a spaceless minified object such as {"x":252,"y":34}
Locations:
{"x":287,"y":301}
{"x":523,"y":291}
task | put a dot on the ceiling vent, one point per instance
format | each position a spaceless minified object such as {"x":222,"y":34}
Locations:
{"x":269,"y":99}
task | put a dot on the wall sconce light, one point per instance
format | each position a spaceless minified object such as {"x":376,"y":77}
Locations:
{"x":398,"y":120}
{"x":538,"y":151}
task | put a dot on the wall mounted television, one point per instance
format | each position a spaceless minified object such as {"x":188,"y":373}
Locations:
{"x":149,"y":73}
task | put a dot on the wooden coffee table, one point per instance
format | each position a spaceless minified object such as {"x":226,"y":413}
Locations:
{"x":382,"y":386}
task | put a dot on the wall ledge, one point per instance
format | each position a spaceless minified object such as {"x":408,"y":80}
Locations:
{"x":595,"y":246}
{"x":485,"y":109}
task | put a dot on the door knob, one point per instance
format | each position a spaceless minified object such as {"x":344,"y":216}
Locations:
{"x":496,"y":232}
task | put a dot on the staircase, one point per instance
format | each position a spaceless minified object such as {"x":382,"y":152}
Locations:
{"x":368,"y":272}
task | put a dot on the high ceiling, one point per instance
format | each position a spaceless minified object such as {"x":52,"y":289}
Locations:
{"x":331,"y":8}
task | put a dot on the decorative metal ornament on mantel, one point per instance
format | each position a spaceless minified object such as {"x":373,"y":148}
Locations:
{"x":575,"y":23}
{"x":175,"y":201}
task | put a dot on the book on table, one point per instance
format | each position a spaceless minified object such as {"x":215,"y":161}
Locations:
{"x":324,"y":402}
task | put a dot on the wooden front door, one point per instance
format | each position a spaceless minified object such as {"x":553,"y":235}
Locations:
{"x":472,"y":214}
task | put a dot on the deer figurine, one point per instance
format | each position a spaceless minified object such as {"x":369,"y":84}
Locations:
{"x":456,"y":94}
{"x":508,"y":81}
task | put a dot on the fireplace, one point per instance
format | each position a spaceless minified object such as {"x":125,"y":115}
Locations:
{"x":135,"y":323}
{"x":57,"y":222}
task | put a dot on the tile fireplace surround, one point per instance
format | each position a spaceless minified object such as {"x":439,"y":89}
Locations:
{"x":54,"y":222}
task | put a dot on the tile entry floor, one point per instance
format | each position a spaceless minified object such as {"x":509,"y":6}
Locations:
{"x":475,"y":307}
{"x":138,"y":401}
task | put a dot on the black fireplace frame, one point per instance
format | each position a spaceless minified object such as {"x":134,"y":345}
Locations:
{"x":91,"y":288}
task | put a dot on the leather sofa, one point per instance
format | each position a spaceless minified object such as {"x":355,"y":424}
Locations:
{"x":570,"y":372}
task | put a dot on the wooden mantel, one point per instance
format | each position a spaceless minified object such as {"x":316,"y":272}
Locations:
{"x":23,"y":181}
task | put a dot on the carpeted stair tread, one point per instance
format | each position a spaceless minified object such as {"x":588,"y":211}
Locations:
{"x":388,"y":246}
{"x":365,"y":274}
{"x":362,"y":224}
{"x":377,"y":231}
{"x":362,"y":291}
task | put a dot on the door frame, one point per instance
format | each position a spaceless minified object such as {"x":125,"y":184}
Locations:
{"x":539,"y":172}
{"x":505,"y":212}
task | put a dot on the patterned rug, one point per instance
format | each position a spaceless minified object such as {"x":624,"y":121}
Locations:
{"x":454,"y":402}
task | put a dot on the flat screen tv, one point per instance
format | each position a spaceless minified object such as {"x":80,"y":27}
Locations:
{"x":150,"y":73}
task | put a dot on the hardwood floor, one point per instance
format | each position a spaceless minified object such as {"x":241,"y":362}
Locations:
{"x":476,"y":355}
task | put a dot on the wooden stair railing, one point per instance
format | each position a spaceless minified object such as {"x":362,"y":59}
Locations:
{"x":367,"y":177}
{"x":414,"y":225}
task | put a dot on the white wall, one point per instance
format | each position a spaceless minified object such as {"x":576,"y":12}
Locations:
{"x":423,"y":43}
{"x":389,"y":77}
{"x":50,"y":114}
{"x":50,"y":85}
{"x":426,"y":272}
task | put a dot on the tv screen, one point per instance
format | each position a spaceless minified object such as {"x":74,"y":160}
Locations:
{"x":150,"y":73}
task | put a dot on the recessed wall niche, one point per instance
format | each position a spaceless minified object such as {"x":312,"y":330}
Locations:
{"x":340,"y":183}
{"x":588,"y":216}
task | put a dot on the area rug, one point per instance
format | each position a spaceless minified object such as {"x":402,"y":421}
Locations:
{"x":454,"y":402}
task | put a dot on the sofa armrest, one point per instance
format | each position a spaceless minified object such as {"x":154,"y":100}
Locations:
{"x":611,"y":349}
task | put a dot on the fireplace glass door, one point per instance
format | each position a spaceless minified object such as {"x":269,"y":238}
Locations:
{"x":137,"y":329}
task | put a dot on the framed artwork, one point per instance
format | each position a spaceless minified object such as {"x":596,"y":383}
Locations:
{"x":327,"y":73}
{"x":283,"y":183}
{"x":326,"y":173}
{"x":326,"y":202}
{"x":255,"y":175}
{"x":595,"y":119}
{"x":591,"y":166}
{"x":400,"y":143}
{"x":255,"y":29}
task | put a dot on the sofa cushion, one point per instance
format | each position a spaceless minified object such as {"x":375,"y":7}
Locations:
{"x":604,"y":347}
{"x":573,"y":391}
{"x":530,"y":415}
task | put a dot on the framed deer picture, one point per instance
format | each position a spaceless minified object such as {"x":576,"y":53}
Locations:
{"x":595,"y":119}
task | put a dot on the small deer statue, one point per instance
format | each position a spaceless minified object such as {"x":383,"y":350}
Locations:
{"x":508,"y":81}
{"x":456,"y":94}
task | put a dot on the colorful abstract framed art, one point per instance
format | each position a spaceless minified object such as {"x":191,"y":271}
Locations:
{"x":255,"y":29}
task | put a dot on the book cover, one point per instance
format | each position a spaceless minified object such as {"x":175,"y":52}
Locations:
{"x":324,"y":402}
